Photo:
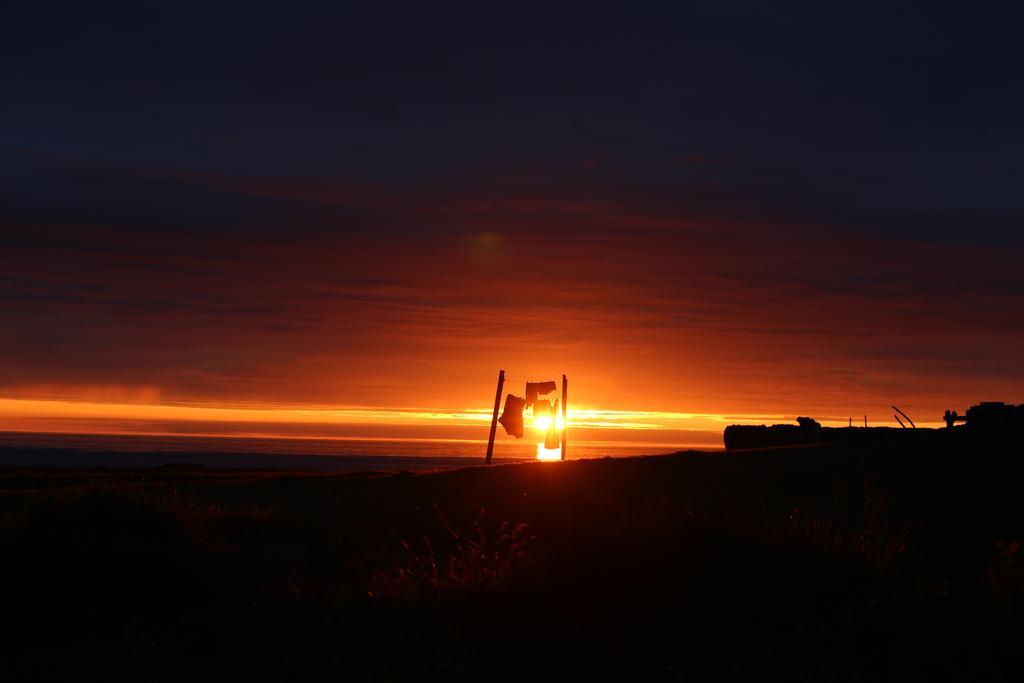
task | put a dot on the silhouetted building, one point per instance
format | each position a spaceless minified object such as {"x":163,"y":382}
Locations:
{"x":988,"y":420}
{"x":994,"y":418}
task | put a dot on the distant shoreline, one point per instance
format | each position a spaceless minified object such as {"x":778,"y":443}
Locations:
{"x":57,"y":451}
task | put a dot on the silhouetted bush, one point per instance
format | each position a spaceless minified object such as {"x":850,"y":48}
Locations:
{"x":485,"y":560}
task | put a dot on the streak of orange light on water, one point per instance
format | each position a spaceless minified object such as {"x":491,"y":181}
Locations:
{"x":548,"y":454}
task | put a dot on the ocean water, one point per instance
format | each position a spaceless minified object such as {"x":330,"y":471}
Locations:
{"x":24,"y":449}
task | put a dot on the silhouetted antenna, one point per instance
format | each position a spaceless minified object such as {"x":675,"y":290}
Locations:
{"x":900,"y":421}
{"x":904,"y":415}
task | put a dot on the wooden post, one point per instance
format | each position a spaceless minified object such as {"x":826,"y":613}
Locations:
{"x":494,"y":418}
{"x":565,"y":420}
{"x":912,"y":425}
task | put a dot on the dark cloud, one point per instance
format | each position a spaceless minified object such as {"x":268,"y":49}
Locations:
{"x":734,"y":206}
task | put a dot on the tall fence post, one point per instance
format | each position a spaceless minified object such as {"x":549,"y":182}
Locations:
{"x":565,"y":421}
{"x":494,"y":417}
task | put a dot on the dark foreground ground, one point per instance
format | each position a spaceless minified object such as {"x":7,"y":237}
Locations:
{"x":795,"y":564}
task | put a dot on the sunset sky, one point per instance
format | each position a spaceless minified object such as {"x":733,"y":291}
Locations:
{"x":335,"y":220}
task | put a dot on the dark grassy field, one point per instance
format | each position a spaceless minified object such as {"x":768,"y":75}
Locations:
{"x":795,"y":564}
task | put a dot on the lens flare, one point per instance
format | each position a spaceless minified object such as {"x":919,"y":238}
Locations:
{"x":543,"y":422}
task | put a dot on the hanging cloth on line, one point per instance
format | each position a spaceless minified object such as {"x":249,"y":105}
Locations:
{"x":535,"y":389}
{"x":512,"y":417}
{"x":553,"y":437}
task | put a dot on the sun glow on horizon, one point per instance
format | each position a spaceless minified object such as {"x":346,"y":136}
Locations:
{"x":97,"y":417}
{"x":25,"y":410}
